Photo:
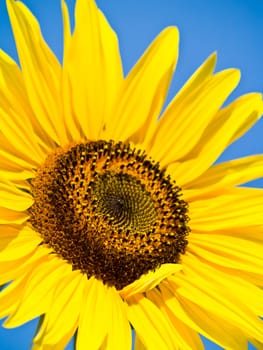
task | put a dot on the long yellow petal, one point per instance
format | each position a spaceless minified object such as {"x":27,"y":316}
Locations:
{"x":9,"y":172}
{"x":144,"y":90}
{"x":95,"y":316}
{"x":14,"y":159}
{"x":119,"y":334}
{"x":16,"y":242}
{"x":36,"y":296}
{"x":13,"y":162}
{"x":232,"y":252}
{"x":9,"y":216}
{"x":15,"y":110}
{"x":194,"y":287}
{"x":138,"y":345}
{"x":185,"y":120}
{"x":238,"y":288}
{"x":215,"y":328}
{"x":93,"y":63}
{"x":228,"y":210}
{"x":61,"y":319}
{"x":10,"y":296}
{"x":227,"y":174}
{"x":74,"y":123}
{"x":150,"y":280}
{"x":13,"y":198}
{"x":149,"y":323}
{"x":41,"y":70}
{"x":14,"y":269}
{"x":216,"y":137}
{"x":183,"y":336}
{"x":202,"y":74}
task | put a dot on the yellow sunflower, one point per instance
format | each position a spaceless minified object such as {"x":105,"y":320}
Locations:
{"x":114,"y":219}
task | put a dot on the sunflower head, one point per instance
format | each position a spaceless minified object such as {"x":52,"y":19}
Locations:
{"x":109,"y":211}
{"x":114,"y":214}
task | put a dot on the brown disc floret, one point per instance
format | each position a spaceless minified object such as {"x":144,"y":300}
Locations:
{"x":109,"y":210}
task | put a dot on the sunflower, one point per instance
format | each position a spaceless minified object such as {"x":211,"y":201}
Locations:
{"x":113,"y":219}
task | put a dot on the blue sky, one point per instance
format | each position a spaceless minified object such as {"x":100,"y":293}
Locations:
{"x":233,"y":28}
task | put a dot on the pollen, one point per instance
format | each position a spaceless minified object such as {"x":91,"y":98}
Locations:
{"x":109,"y":211}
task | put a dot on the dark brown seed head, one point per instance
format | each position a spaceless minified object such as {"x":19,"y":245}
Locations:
{"x":109,"y":211}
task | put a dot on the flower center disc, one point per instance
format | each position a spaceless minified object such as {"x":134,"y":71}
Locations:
{"x":109,"y":211}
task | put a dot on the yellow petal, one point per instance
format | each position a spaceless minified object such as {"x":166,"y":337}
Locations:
{"x":9,"y":297}
{"x":149,"y":323}
{"x":13,"y":174}
{"x":36,"y":296}
{"x":61,"y":319}
{"x":16,"y":242}
{"x":258,"y":345}
{"x":232,"y":252}
{"x":144,"y":90}
{"x":138,"y":345}
{"x":15,"y":122}
{"x":194,"y":287}
{"x":202,"y":74}
{"x":175,"y":309}
{"x":183,"y":336}
{"x":66,"y":26}
{"x":254,"y":278}
{"x":253,"y":233}
{"x":95,"y":316}
{"x":14,"y":160}
{"x":238,"y":207}
{"x":236,"y":288}
{"x":185,"y":120}
{"x":17,"y":136}
{"x":13,"y":269}
{"x":144,"y":136}
{"x":231,"y":173}
{"x":41,"y":70}
{"x":74,"y":124}
{"x":119,"y":334}
{"x":215,"y":328}
{"x":251,"y":119}
{"x":216,"y":138}
{"x":13,"y":198}
{"x":93,"y":64}
{"x":9,"y":216}
{"x":150,"y":280}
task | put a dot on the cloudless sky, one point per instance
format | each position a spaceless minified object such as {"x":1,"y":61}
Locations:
{"x":233,"y":28}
